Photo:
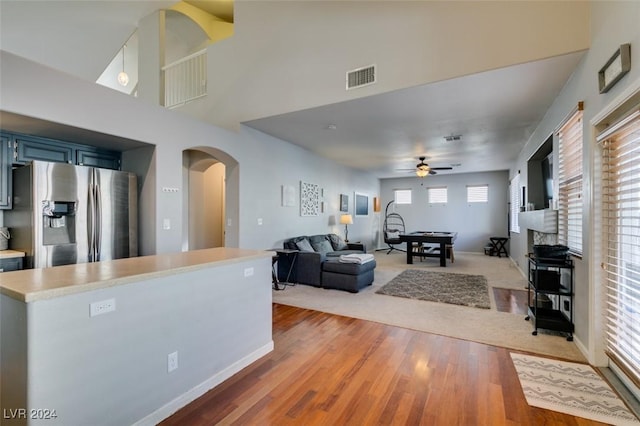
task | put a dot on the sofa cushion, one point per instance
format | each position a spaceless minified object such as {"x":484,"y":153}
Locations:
{"x":291,"y":242}
{"x":323,"y":246}
{"x":337,"y":242}
{"x":304,"y":245}
{"x":348,"y":268}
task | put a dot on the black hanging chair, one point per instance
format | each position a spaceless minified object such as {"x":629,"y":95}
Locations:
{"x":392,"y":228}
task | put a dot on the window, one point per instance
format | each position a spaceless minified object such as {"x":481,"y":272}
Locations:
{"x":621,"y":242}
{"x":437,"y":195}
{"x":570,"y":183}
{"x":402,"y":196}
{"x":515,"y":203}
{"x":477,"y":193}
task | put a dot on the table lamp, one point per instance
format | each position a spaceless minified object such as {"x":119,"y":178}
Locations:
{"x":346,"y":220}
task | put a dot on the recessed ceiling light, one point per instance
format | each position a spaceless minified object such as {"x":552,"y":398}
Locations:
{"x":452,"y":138}
{"x":332,"y":127}
{"x":456,"y":164}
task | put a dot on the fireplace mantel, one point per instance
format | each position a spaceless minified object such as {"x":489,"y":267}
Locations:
{"x":539,"y":220}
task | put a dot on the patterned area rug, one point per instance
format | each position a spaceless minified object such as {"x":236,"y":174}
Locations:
{"x":570,"y":388}
{"x":455,"y":289}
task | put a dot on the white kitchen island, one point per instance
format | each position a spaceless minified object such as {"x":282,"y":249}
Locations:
{"x":90,"y":343}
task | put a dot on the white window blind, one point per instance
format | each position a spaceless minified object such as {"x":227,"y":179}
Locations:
{"x":477,"y":193}
{"x":437,"y":195}
{"x":570,"y":183}
{"x":621,"y":251}
{"x":515,"y":203}
{"x":402,"y":196}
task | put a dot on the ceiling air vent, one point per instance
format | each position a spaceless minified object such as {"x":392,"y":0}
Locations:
{"x":361,"y":77}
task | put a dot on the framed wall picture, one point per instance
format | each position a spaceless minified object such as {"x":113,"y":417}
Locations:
{"x":288,"y":195}
{"x":309,"y":199}
{"x":361,"y":205}
{"x":344,"y":203}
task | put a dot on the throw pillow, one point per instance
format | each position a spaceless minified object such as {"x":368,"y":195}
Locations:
{"x":393,"y":235}
{"x":304,"y":245}
{"x":337,"y":242}
{"x":323,"y":246}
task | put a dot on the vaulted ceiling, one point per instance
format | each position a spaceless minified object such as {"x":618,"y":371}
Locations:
{"x":495,"y":112}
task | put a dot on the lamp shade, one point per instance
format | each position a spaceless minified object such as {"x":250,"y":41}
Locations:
{"x":346,"y":219}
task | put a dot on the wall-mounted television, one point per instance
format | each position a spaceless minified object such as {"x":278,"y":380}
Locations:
{"x":547,"y":180}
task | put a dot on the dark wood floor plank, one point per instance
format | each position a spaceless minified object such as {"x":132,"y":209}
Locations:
{"x":332,"y":370}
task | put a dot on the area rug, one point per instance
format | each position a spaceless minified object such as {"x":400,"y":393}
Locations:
{"x":570,"y":388}
{"x":455,"y":289}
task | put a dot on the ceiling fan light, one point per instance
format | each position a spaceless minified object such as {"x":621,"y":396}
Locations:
{"x":422,"y":172}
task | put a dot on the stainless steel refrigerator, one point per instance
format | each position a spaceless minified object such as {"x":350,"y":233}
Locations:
{"x":64,"y":214}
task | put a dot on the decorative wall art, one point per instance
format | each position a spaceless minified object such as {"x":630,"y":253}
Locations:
{"x":288,"y":195}
{"x":309,"y":199}
{"x":361,"y":205}
{"x":376,"y":204}
{"x":344,"y":203}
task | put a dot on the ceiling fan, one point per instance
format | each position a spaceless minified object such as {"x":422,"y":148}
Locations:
{"x":423,"y":169}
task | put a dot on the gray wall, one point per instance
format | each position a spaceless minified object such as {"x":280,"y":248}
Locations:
{"x":474,"y":222}
{"x":257,"y":164}
{"x":281,"y":57}
{"x":111,"y":369}
{"x":612,"y":24}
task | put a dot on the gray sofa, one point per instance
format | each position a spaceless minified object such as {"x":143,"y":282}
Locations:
{"x":312,"y":252}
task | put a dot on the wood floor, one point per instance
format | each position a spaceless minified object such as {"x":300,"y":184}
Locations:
{"x":512,"y":301}
{"x":333,"y":370}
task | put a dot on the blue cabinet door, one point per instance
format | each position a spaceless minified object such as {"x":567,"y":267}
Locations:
{"x":98,"y":158}
{"x":30,"y":148}
{"x":6,"y":152}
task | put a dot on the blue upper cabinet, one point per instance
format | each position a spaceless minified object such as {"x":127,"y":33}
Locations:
{"x":17,"y":149}
{"x":98,"y":158}
{"x":29,"y":148}
{"x":6,"y":152}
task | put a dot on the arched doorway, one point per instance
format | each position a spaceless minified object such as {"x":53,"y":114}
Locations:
{"x":206,"y":203}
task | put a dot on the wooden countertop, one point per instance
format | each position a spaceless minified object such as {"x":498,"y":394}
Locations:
{"x":38,"y":284}
{"x":8,"y":254}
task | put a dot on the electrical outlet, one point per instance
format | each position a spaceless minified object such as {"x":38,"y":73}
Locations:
{"x":172,"y":361}
{"x":248,"y":272}
{"x":166,"y":224}
{"x":102,"y":307}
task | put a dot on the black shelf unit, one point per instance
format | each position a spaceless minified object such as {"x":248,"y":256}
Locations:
{"x":550,"y":294}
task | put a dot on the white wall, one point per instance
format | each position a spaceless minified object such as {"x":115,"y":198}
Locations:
{"x":474,"y":222}
{"x":612,"y":24}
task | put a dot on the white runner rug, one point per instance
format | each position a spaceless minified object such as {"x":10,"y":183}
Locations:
{"x":570,"y":388}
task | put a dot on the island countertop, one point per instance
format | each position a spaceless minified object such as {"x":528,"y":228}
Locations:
{"x":10,"y":254}
{"x":30,"y":285}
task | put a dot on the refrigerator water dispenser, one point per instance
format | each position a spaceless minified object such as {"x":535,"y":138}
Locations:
{"x":58,"y":222}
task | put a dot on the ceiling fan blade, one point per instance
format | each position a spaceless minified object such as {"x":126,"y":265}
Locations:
{"x":433,"y":172}
{"x":441,"y":168}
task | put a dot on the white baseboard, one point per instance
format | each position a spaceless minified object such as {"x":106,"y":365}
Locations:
{"x":191,"y":395}
{"x":582,"y":348}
